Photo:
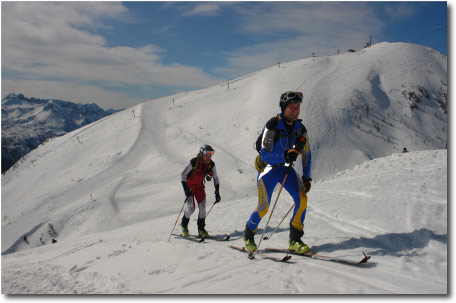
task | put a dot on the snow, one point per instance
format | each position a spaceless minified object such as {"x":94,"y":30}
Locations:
{"x":111,"y":190}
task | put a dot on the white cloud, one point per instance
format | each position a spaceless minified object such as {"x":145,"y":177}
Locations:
{"x":295,"y":30}
{"x":399,"y":11}
{"x":204,"y":9}
{"x":308,"y":18}
{"x":55,"y":40}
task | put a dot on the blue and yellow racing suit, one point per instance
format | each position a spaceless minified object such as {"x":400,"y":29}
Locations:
{"x":275,"y":141}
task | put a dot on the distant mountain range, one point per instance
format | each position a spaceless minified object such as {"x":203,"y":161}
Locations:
{"x":27,"y":122}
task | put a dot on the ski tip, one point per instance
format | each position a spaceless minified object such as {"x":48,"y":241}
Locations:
{"x":286,"y":258}
{"x":365,"y":259}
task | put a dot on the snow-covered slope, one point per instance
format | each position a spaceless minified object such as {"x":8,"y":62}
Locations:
{"x":113,"y":186}
{"x":393,"y":208}
{"x":27,"y":122}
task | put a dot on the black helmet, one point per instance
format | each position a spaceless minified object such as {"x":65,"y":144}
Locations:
{"x":290,"y":97}
{"x":207,"y":150}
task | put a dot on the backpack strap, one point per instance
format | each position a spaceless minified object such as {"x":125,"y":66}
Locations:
{"x":301,"y":131}
{"x":273,"y":122}
{"x":196,"y":161}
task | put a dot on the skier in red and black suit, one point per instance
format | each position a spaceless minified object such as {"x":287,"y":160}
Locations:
{"x":200,"y":168}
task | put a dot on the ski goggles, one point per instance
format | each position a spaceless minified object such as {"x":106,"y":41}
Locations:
{"x":289,"y":96}
{"x":208,"y":153}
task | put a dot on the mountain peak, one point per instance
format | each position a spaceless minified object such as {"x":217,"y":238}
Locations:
{"x":12,"y":98}
{"x":27,"y":122}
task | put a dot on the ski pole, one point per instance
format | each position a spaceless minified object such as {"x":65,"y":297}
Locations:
{"x":267,"y":238}
{"x":272,"y":211}
{"x":177,"y":220}
{"x":210,"y":209}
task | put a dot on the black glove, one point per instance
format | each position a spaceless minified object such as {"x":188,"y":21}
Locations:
{"x":217,"y":195}
{"x":208,"y":178}
{"x":291,"y":156}
{"x":187,"y":190}
{"x":307,"y":184}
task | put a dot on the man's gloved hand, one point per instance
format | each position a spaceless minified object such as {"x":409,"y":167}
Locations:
{"x":217,"y":194}
{"x":217,"y":197}
{"x":187,"y":190}
{"x":291,"y":155}
{"x":307,"y":184}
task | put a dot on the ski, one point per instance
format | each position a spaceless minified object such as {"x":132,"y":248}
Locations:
{"x":321,"y":257}
{"x":264,"y":256}
{"x":190,"y":238}
{"x":215,"y":237}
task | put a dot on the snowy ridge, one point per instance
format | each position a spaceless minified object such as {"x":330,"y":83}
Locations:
{"x":111,"y":189}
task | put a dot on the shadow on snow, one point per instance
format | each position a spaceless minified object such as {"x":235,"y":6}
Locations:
{"x":395,"y":244}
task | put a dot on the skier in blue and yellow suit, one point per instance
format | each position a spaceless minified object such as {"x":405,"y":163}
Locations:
{"x":284,"y":139}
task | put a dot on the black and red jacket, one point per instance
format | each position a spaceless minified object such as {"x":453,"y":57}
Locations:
{"x":195,"y":172}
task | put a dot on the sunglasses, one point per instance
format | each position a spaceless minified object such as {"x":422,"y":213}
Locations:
{"x":208,"y":153}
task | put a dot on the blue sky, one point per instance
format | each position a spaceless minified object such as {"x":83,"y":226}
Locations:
{"x":118,"y":54}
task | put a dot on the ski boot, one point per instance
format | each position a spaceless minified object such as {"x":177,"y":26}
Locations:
{"x":250,"y":245}
{"x":184,"y":225}
{"x":185,"y":232}
{"x":295,"y":243}
{"x":249,"y":240}
{"x":299,"y":247}
{"x":201,"y":231}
